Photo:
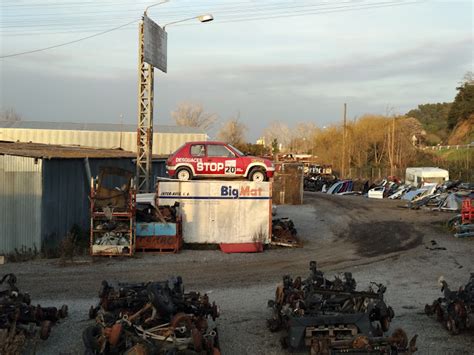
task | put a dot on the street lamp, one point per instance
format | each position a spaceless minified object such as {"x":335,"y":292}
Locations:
{"x":201,"y":18}
{"x":146,"y":92}
{"x":158,"y":3}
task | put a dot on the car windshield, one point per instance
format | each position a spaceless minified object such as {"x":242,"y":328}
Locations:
{"x":236,"y":150}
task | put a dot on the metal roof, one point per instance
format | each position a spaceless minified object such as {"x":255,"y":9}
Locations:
{"x":106,"y":127}
{"x":50,"y":151}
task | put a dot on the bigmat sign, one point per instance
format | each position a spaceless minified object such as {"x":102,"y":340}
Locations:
{"x":221,"y":211}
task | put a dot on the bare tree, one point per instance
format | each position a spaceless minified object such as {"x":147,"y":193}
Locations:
{"x":280,"y":132}
{"x":193,"y":115}
{"x":9,"y":115}
{"x":233,"y":131}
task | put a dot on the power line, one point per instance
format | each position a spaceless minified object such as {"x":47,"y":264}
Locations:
{"x":264,"y":13}
{"x":243,"y":19}
{"x":67,"y":43}
{"x":234,"y":10}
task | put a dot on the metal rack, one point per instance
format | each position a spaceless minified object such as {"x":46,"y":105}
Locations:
{"x":100,"y":216}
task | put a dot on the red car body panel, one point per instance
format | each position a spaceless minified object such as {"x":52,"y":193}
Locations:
{"x":215,"y":159}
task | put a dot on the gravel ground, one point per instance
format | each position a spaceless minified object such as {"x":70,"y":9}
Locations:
{"x":376,"y":240}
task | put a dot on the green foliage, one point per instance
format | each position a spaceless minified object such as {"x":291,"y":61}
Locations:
{"x":434,"y":118}
{"x":463,"y":105}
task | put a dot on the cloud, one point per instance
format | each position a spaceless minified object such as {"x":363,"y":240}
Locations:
{"x":404,"y":78}
{"x":424,"y":60}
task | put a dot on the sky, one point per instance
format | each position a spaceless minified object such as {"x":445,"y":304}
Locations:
{"x":289,"y":61}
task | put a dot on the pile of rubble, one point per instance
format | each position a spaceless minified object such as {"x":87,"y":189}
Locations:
{"x":152,"y":318}
{"x":456,"y":308}
{"x":330,"y":316}
{"x":21,"y":322}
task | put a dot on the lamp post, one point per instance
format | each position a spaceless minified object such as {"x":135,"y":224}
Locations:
{"x":145,"y":103}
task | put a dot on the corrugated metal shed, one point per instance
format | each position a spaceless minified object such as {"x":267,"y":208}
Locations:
{"x":20,"y":203}
{"x":42,"y":196}
{"x":166,"y":139}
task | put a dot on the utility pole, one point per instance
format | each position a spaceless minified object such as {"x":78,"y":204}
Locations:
{"x":392,"y":148}
{"x":151,"y":54}
{"x":145,"y":116}
{"x":343,"y":165}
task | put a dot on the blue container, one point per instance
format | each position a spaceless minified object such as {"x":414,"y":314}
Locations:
{"x":152,"y":229}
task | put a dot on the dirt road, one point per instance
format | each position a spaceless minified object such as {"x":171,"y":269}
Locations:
{"x":375,"y":239}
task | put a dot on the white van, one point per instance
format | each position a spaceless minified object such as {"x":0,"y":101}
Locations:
{"x":418,"y":176}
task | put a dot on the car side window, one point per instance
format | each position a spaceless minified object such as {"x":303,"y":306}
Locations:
{"x":219,"y":151}
{"x":198,"y":150}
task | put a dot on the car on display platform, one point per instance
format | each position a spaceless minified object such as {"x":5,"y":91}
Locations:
{"x":216,"y":159}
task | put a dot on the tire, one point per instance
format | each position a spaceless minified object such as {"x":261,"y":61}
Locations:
{"x":184,"y":174}
{"x":258,"y":175}
{"x":90,"y":338}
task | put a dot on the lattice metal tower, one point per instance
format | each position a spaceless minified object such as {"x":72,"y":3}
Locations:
{"x":145,"y":117}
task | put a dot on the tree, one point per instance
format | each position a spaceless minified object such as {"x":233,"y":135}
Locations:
{"x":9,"y":115}
{"x":193,"y":115}
{"x":280,"y":132}
{"x":233,"y":132}
{"x":463,"y":105}
{"x":301,"y":137}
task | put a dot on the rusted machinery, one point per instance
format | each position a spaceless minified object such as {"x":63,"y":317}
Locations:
{"x":19,"y":320}
{"x":152,"y":318}
{"x":456,"y":308}
{"x":330,"y":316}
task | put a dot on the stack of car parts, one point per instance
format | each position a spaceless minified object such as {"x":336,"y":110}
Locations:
{"x":112,"y":212}
{"x":330,"y":316}
{"x":152,"y":318}
{"x":19,"y":320}
{"x":456,"y":308}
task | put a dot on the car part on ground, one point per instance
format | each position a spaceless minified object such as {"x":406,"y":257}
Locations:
{"x":152,"y":318}
{"x":455,"y":310}
{"x":330,"y":316}
{"x":284,"y":233}
{"x":20,"y":321}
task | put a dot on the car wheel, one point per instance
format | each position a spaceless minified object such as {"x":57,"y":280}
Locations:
{"x":257,"y":175}
{"x":184,"y":174}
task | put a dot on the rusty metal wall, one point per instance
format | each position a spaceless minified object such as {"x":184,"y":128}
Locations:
{"x":163,"y":143}
{"x":20,"y":203}
{"x":288,"y":184}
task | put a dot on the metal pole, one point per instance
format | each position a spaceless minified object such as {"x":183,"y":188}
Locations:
{"x":343,"y":165}
{"x":145,"y":117}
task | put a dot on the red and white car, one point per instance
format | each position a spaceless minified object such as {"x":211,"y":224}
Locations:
{"x":216,"y":159}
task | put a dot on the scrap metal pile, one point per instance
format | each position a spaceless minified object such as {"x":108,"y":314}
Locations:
{"x":112,"y":212}
{"x":441,"y":197}
{"x":165,"y":214}
{"x":330,"y":316}
{"x":152,"y":318}
{"x":20,"y":321}
{"x":456,"y":308}
{"x":284,"y":233}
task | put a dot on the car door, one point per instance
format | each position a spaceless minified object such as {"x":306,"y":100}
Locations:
{"x":197,"y":154}
{"x":221,"y":160}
